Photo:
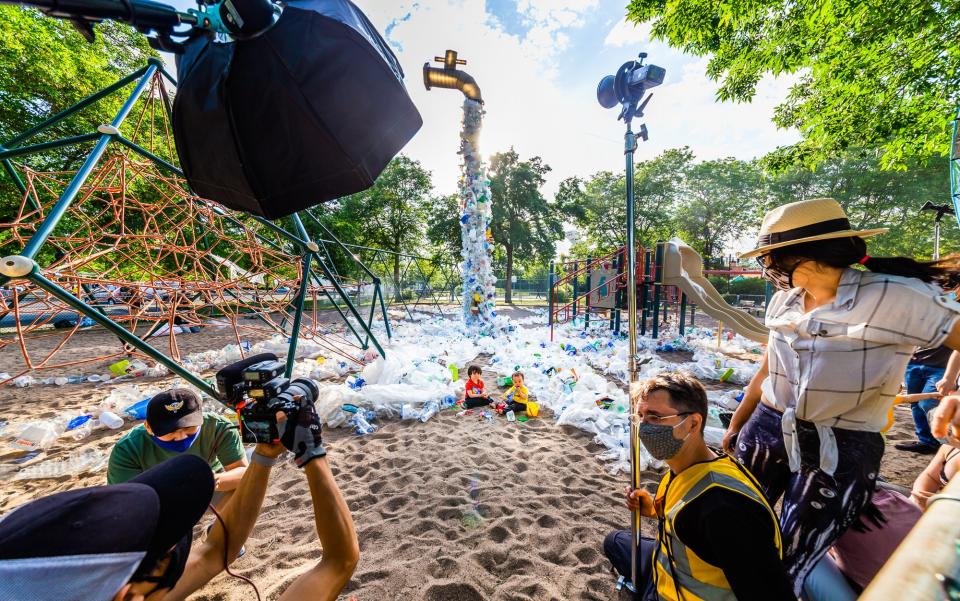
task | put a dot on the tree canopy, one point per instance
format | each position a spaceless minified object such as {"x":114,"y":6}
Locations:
{"x":524,"y":222}
{"x":716,"y":205}
{"x":880,"y":75}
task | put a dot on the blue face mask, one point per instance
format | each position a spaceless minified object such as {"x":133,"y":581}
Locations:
{"x":176,"y":446}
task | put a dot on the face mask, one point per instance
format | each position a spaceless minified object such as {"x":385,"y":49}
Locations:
{"x":177,"y":446}
{"x":659,"y":440}
{"x":780,"y":280}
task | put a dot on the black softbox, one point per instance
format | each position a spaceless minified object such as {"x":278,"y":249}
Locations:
{"x":311,"y":110}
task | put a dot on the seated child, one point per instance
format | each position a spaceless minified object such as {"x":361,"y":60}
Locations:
{"x":518,"y":397}
{"x":475,"y":396}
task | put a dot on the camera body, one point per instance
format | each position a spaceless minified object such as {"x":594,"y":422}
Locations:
{"x":257,"y":390}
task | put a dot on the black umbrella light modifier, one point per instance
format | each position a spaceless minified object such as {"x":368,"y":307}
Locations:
{"x":308,"y":111}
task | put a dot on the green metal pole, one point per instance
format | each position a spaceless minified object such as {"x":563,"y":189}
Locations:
{"x":129,"y":337}
{"x":8,"y":167}
{"x":56,"y":213}
{"x":353,"y":310}
{"x":658,"y":266}
{"x":146,"y":153}
{"x":645,"y":293}
{"x":683,"y":312}
{"x":576,"y":287}
{"x":11,"y":153}
{"x":151,"y":67}
{"x":298,"y":315}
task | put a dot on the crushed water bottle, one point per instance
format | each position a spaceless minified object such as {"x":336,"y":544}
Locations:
{"x":76,"y":463}
{"x":430,"y":408}
{"x":360,"y":425}
{"x":448,"y":401}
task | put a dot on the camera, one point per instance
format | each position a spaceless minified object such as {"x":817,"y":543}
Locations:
{"x":256,"y":389}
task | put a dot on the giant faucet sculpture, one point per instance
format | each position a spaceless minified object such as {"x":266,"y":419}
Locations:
{"x":479,"y":302}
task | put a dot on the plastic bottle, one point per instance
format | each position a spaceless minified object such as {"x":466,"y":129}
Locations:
{"x":407,"y":412}
{"x":86,"y":460}
{"x":37,"y":436}
{"x":454,"y":372}
{"x":111,"y":420}
{"x":430,"y":409}
{"x":83,"y":430}
{"x":360,"y":425}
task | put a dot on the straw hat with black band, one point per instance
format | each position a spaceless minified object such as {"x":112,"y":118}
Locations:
{"x":805,"y":221}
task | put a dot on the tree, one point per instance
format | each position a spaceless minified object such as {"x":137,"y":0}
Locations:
{"x":876,"y":198}
{"x":722,"y":199}
{"x":391,"y":214}
{"x":443,"y":225}
{"x":870,"y":74}
{"x":524,"y":222}
{"x":46,"y":66}
{"x":598,"y":205}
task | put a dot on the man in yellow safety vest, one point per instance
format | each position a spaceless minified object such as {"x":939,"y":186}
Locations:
{"x":718,"y":539}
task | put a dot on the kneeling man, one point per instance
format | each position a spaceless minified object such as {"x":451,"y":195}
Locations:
{"x":718,"y":537}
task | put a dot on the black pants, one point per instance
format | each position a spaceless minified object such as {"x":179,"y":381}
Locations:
{"x":817,"y":507}
{"x":617,"y":549}
{"x":475,"y":402}
{"x":515,"y":407}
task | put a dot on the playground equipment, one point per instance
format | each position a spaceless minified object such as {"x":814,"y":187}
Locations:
{"x":671,"y":275}
{"x":479,"y":285}
{"x":124,"y":230}
{"x":682,"y":267}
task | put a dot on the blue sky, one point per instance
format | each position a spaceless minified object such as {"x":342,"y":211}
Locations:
{"x":538,"y":63}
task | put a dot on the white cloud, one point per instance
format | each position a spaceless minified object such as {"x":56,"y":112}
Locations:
{"x":626,"y":33}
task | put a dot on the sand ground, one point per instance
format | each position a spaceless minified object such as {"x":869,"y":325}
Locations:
{"x":546,"y":502}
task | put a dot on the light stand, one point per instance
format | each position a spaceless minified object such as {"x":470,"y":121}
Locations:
{"x":940,"y":211}
{"x":627,"y":88}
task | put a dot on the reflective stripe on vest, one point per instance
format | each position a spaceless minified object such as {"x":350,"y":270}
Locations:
{"x":687,"y":577}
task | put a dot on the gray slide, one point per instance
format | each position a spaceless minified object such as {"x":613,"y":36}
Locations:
{"x":683,"y":268}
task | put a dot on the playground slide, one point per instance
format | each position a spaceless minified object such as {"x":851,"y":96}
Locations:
{"x":683,"y":267}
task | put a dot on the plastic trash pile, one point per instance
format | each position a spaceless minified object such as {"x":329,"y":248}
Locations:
{"x":576,"y":376}
{"x":479,"y":302}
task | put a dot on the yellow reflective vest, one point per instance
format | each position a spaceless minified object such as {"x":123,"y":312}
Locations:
{"x":678,"y":573}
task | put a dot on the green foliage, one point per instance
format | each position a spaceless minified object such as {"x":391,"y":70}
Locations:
{"x":876,"y":198}
{"x":524,"y":223}
{"x":706,"y":204}
{"x":716,"y":205}
{"x":443,"y":225}
{"x":45,"y":67}
{"x":747,"y":286}
{"x":870,"y":74}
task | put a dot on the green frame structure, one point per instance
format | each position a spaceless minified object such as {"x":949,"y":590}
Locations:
{"x":316,"y":260}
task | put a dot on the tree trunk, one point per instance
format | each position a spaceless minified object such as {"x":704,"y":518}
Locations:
{"x":508,"y":284}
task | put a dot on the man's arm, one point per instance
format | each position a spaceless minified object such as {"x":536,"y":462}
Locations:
{"x":948,"y":383}
{"x":338,"y":538}
{"x":751,"y":398}
{"x":240,"y":515}
{"x":229,"y":479}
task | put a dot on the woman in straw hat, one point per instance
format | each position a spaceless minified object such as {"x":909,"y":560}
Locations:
{"x":840,"y":338}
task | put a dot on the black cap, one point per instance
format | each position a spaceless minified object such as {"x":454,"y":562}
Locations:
{"x":174,"y":409}
{"x":148,"y":515}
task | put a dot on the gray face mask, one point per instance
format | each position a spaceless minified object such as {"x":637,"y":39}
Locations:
{"x":659,"y":440}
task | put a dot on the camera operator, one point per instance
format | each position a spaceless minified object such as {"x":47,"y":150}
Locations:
{"x":131,"y":542}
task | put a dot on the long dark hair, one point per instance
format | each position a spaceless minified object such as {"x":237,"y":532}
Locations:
{"x":844,"y":252}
